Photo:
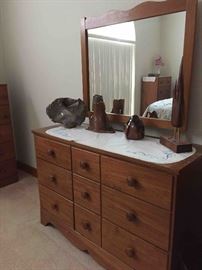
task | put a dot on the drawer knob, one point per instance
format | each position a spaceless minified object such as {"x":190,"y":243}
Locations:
{"x":86,"y":226}
{"x":55,"y":207}
{"x":53,"y":179}
{"x":130,"y":252}
{"x":132,"y":182}
{"x":85,"y":195}
{"x":84,"y":165}
{"x":51,"y":152}
{"x":131,"y":216}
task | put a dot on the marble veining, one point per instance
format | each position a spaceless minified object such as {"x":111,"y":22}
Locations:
{"x":149,"y":149}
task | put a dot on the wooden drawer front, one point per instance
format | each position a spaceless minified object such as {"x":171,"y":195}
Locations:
{"x":164,"y":81}
{"x":87,"y":193}
{"x":7,"y":168}
{"x":3,"y":95}
{"x":55,"y":178}
{"x":149,"y":222}
{"x":146,"y":184}
{"x":86,"y":163}
{"x":5,"y":133}
{"x":164,"y":92}
{"x":4,"y":115}
{"x":88,"y":224}
{"x":132,"y":250}
{"x":6,"y":151}
{"x":53,"y":152}
{"x":56,"y":205}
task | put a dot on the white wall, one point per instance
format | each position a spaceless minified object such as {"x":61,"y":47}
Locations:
{"x":147,"y":33}
{"x":43,"y":62}
{"x":41,"y":45}
{"x":195,"y":116}
{"x":172,"y":43}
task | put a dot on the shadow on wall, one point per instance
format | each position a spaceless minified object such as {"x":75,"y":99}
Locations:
{"x":24,"y":118}
{"x":195,"y":115}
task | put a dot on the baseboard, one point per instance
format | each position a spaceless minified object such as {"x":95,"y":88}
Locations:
{"x":27,"y":168}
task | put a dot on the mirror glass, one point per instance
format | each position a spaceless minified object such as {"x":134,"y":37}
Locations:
{"x":135,"y":65}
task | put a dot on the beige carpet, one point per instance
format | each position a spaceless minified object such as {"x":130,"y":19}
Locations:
{"x":25,"y":244}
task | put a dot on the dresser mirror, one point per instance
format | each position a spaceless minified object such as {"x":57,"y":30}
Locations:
{"x":132,"y":58}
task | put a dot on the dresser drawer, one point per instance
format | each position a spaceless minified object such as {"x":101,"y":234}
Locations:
{"x":5,"y":133}
{"x":4,"y":115}
{"x":146,"y":184}
{"x":3,"y":94}
{"x":56,"y":205}
{"x":147,"y":221}
{"x":53,"y":152}
{"x":55,"y":178}
{"x":7,"y":169}
{"x":6,"y":151}
{"x":87,"y":193}
{"x":132,"y":250}
{"x":86,"y":164}
{"x":164,"y":81}
{"x":164,"y":92}
{"x":88,"y":224}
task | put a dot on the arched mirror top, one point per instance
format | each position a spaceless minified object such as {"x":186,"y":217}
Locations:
{"x":132,"y":58}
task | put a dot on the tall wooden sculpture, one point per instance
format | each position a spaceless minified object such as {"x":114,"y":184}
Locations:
{"x":175,"y":142}
{"x":98,"y":121}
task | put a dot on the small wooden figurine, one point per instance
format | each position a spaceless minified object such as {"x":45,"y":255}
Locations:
{"x":152,"y":114}
{"x":135,"y":128}
{"x":118,"y":106}
{"x":98,"y":121}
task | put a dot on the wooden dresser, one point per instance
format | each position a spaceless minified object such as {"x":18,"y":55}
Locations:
{"x":8,"y":170}
{"x":155,"y":90}
{"x":128,"y":214}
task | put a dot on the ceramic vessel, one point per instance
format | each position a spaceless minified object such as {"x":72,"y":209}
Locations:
{"x":135,"y":128}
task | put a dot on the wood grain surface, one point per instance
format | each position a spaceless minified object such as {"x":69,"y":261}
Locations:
{"x":55,"y":178}
{"x":142,"y":219}
{"x":87,"y":193}
{"x":88,"y":224}
{"x":146,"y":184}
{"x":86,"y":164}
{"x":135,"y":252}
{"x":56,"y":153}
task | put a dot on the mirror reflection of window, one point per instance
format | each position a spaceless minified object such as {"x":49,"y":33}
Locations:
{"x":112,"y":64}
{"x":121,"y":57}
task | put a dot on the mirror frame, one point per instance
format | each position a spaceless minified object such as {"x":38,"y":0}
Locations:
{"x":142,"y":11}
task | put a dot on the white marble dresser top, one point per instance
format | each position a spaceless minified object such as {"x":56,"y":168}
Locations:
{"x":148,"y":149}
